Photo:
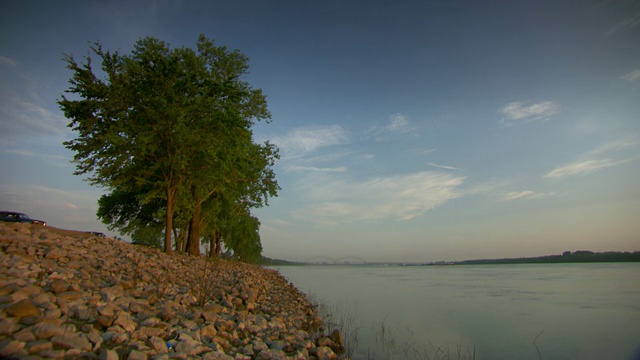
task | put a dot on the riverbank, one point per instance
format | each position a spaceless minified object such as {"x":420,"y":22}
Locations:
{"x":75,"y":295}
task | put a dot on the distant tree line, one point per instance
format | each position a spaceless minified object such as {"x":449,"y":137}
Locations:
{"x":167,"y":132}
{"x":581,"y":256}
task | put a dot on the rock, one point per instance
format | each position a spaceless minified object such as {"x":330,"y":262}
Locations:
{"x":23,"y":308}
{"x":159,"y":345}
{"x":125,"y":321}
{"x":272,"y":354}
{"x":9,"y":347}
{"x":208,"y":332}
{"x":109,"y":354}
{"x":325,"y":341}
{"x":215,"y":355}
{"x":104,"y":320}
{"x":47,"y":331}
{"x":188,"y":346}
{"x":278,"y":345}
{"x":8,"y":326}
{"x":53,"y":354}
{"x":25,"y":335}
{"x":136,"y":355}
{"x":72,"y":341}
{"x":58,"y":286}
{"x":68,"y":296}
{"x":108,"y":310}
{"x":128,"y":301}
{"x":38,"y":346}
{"x":111,"y":293}
{"x":325,"y":353}
{"x":336,"y":337}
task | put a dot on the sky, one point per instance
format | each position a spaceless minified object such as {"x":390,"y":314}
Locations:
{"x":409,"y":130}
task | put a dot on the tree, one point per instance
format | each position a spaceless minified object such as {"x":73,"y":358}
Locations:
{"x":157,"y":124}
{"x":242,"y":237}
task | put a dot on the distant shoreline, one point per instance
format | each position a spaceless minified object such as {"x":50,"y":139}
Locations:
{"x":568,"y":257}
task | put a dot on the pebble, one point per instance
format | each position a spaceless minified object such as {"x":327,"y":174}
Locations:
{"x":71,"y":294}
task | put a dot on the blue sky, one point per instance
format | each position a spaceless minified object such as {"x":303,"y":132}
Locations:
{"x":409,"y":130}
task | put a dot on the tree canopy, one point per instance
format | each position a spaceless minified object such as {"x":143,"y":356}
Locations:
{"x":167,"y":132}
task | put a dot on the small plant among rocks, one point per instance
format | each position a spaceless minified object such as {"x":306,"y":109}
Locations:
{"x":202,"y":283}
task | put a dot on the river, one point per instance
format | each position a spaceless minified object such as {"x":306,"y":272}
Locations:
{"x":546,"y":311}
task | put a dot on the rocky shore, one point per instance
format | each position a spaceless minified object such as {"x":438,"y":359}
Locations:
{"x":68,"y":294}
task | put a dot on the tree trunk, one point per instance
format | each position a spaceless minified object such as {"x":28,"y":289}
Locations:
{"x":216,"y":244}
{"x":169,"y":226}
{"x":193,"y":243}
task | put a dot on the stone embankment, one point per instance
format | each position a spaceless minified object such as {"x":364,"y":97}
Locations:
{"x":67,"y":294}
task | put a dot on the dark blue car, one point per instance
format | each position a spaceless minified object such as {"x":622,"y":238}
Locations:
{"x":12,"y":216}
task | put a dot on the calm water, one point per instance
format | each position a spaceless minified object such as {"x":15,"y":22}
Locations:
{"x":584,"y":311}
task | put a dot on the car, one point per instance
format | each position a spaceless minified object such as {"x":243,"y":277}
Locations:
{"x":12,"y":216}
{"x":96,"y":233}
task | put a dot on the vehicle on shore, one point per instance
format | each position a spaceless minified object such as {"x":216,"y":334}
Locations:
{"x":12,"y":216}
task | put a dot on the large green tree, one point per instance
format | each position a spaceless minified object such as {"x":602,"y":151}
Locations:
{"x":163,"y":124}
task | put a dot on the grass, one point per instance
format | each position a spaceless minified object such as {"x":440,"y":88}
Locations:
{"x":391,"y":342}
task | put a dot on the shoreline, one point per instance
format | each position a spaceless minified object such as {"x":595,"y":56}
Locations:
{"x":69,"y":294}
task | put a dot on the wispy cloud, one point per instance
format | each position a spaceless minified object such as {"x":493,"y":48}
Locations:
{"x":401,"y":197}
{"x":633,"y":76}
{"x":582,"y":168}
{"x":624,"y":143}
{"x":527,"y":194}
{"x":597,"y":159}
{"x":304,"y":140}
{"x":7,"y":61}
{"x":629,"y":22}
{"x":316,"y":169}
{"x":446,"y":167}
{"x":398,"y":125}
{"x":22,"y":112}
{"x":519,"y":112}
{"x":58,"y":160}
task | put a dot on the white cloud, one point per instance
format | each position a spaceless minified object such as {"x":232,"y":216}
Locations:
{"x":519,"y":112}
{"x":401,"y":197}
{"x":446,"y":167}
{"x":627,"y":142}
{"x":398,"y":125}
{"x":595,"y":159}
{"x":582,"y":168}
{"x":632,"y":76}
{"x":316,"y":169}
{"x":304,"y":140}
{"x":527,"y":194}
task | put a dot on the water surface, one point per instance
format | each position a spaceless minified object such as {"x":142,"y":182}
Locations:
{"x":571,"y":311}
